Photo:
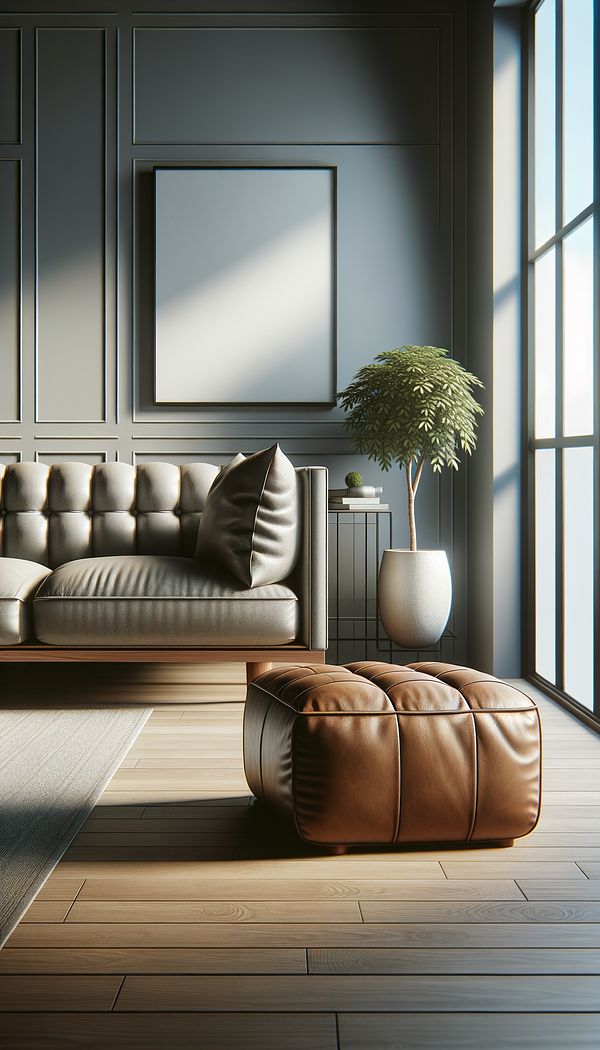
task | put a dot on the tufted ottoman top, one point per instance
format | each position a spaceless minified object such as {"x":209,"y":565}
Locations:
{"x":376,"y":752}
{"x":380,"y":688}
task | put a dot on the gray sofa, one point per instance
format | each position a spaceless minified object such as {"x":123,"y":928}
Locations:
{"x":97,"y":562}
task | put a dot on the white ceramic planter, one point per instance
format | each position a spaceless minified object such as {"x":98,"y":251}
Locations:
{"x":415,"y":596}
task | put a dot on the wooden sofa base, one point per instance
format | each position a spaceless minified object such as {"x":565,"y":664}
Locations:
{"x":256,"y":660}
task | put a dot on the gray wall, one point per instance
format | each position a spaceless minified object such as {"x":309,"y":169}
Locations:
{"x":89,"y":103}
{"x":507,"y":343}
{"x":495,"y":344}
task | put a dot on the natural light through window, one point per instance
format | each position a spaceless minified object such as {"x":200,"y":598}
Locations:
{"x":563,"y":326}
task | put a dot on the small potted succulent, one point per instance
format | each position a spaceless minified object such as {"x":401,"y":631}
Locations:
{"x":413,"y":406}
{"x":356,"y":487}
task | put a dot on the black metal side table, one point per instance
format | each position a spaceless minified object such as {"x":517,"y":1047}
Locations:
{"x":357,"y":539}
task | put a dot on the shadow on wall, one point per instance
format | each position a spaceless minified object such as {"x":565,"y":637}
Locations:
{"x":394,"y":286}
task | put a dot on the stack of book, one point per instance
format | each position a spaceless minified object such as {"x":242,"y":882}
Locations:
{"x":365,"y":497}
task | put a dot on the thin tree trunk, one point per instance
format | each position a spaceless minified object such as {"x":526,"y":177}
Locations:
{"x":411,"y":506}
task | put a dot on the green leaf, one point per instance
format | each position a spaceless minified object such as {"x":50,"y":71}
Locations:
{"x":412,"y":403}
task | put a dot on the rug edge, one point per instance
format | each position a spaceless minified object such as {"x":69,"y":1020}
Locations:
{"x":75,"y":825}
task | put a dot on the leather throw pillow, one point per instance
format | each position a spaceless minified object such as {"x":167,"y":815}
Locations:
{"x":250,"y":523}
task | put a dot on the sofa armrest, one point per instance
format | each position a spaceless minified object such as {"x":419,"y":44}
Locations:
{"x":311,"y":572}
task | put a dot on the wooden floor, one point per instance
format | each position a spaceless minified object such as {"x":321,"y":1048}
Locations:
{"x":182,"y":917}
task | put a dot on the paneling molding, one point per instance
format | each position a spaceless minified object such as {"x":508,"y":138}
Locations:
{"x":239,"y":444}
{"x":73,"y":436}
{"x":76,"y":256}
{"x":11,"y":272}
{"x":70,"y":455}
{"x":11,"y":105}
{"x":341,"y":97}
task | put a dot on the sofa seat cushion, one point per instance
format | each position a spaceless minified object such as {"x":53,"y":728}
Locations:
{"x":159,"y":601}
{"x":19,"y":580}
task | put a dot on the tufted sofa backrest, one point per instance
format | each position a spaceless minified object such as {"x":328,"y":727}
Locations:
{"x":76,"y":510}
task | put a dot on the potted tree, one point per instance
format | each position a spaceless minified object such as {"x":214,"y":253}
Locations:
{"x":413,"y":406}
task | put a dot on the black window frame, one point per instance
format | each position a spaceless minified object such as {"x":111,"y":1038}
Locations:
{"x":532,"y":252}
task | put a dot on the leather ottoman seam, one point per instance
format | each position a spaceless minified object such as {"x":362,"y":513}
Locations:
{"x":475,"y":780}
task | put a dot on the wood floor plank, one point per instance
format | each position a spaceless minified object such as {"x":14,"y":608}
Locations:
{"x":547,"y":846}
{"x":51,"y":992}
{"x":138,"y":780}
{"x":102,"y":812}
{"x":569,"y":821}
{"x":215,"y":728}
{"x":303,"y":911}
{"x":208,"y":1031}
{"x":46,"y":911}
{"x":561,"y":889}
{"x":199,"y":888}
{"x":586,"y":779}
{"x":479,"y":911}
{"x":154,"y":960}
{"x":574,"y":798}
{"x":149,"y":837}
{"x":306,"y":935}
{"x":570,"y":807}
{"x":188,"y":826}
{"x":453,"y":960}
{"x":203,"y":811}
{"x":175,"y":760}
{"x":399,"y":867}
{"x":118,"y":854}
{"x":60,"y":889}
{"x":590,"y":870}
{"x":321,"y":992}
{"x":94,"y":837}
{"x":572,"y":765}
{"x":199,"y":739}
{"x":506,"y":1031}
{"x":515,"y":868}
{"x":530,"y":851}
{"x":166,"y":796}
{"x":560,"y":838}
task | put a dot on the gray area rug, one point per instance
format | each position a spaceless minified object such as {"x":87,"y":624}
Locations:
{"x":54,"y":765}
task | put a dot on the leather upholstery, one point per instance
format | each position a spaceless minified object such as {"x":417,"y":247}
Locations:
{"x":54,"y":514}
{"x":377,"y":753}
{"x":155,"y":600}
{"x":251,"y":521}
{"x":19,"y":580}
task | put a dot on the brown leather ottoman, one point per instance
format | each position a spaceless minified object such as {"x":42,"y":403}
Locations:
{"x":378,"y":753}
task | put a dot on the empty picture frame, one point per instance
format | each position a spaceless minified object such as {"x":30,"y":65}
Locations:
{"x":244,"y":285}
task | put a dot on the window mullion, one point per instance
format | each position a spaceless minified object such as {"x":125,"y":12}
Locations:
{"x":564,"y":231}
{"x":528,"y":232}
{"x":596,"y":221}
{"x":559,"y":524}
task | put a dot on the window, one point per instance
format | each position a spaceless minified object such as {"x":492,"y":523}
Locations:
{"x":563,"y":322}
